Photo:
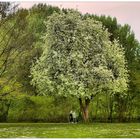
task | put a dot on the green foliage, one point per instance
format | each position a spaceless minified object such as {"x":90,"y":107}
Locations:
{"x":20,"y":43}
{"x":40,"y":109}
{"x":78,"y":59}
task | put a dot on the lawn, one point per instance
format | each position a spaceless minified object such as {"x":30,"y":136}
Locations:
{"x":64,"y":130}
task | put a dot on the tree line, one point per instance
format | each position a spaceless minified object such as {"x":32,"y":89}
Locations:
{"x":22,"y":44}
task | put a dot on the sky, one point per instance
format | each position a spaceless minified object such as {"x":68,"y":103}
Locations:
{"x":125,"y":12}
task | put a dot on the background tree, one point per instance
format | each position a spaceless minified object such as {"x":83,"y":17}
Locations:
{"x":7,"y":8}
{"x":4,"y":8}
{"x":20,"y":38}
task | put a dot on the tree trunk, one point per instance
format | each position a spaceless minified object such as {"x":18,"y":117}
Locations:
{"x":84,"y":109}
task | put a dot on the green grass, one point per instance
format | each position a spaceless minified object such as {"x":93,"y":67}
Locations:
{"x":62,"y":130}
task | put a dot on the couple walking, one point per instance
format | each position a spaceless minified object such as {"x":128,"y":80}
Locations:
{"x":73,"y":117}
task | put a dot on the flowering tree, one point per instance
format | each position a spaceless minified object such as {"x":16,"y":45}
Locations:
{"x":79,"y":60}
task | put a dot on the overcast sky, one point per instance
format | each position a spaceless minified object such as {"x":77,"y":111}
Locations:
{"x":125,"y":12}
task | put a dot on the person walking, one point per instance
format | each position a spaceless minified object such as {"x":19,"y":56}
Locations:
{"x":74,"y":117}
{"x":71,"y":116}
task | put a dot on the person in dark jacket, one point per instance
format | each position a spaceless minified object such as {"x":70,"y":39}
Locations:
{"x":71,"y":117}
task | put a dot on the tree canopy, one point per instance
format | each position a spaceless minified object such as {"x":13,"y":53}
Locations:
{"x":79,"y":59}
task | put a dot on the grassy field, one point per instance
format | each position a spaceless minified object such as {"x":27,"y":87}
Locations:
{"x":59,"y":130}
